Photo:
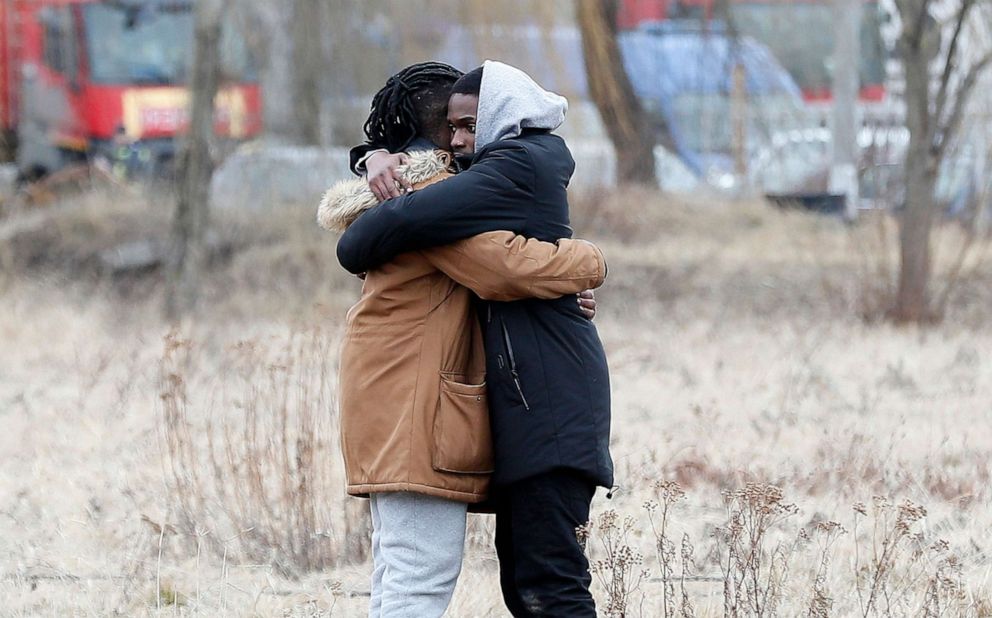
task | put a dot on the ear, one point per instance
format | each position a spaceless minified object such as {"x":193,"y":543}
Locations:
{"x":445,"y":158}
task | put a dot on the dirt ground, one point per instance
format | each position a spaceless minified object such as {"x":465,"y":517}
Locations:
{"x":738,"y":355}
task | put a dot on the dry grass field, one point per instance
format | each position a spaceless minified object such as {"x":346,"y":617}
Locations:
{"x":776,"y":454}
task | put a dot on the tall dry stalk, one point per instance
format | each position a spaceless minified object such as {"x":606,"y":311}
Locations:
{"x":253,"y":457}
{"x":754,"y":565}
{"x":619,"y":570}
{"x":667,"y":495}
{"x":686,"y":608}
{"x":873,"y":243}
{"x":898,"y":571}
{"x":826,"y":534}
{"x":945,"y":593}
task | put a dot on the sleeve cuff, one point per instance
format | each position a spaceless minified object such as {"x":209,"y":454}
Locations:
{"x":360,"y":166}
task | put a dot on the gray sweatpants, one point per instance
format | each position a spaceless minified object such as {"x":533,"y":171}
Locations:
{"x":417,"y":544}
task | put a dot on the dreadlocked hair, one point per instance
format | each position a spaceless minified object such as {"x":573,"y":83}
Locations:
{"x":411,"y":103}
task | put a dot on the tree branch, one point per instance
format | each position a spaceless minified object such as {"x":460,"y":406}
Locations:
{"x":950,"y":128}
{"x":952,"y":50}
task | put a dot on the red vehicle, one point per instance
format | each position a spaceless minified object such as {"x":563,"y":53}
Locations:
{"x":81,"y":79}
{"x":799,"y":32}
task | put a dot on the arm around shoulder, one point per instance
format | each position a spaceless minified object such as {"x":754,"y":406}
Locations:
{"x":503,"y":266}
{"x":496,"y":193}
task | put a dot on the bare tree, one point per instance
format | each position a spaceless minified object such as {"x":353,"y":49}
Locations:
{"x":308,"y":68}
{"x":196,"y":165}
{"x":935,"y":110}
{"x":613,"y":93}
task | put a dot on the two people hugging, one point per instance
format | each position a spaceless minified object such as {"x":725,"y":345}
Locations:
{"x":472,"y":376}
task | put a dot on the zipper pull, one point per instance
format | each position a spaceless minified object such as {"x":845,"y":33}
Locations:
{"x":499,"y":360}
{"x":520,"y":390}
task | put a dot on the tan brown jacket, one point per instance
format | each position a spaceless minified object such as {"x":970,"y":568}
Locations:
{"x":412,"y":391}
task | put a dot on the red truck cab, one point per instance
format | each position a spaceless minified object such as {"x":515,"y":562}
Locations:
{"x":88,"y":78}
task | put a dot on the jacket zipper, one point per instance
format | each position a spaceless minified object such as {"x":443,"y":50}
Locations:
{"x":513,"y":365}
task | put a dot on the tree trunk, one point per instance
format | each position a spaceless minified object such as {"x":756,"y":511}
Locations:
{"x":195,"y":163}
{"x":308,"y":67}
{"x":613,"y":94}
{"x":912,"y":303}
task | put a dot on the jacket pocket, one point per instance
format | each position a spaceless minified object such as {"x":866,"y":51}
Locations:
{"x":463,"y":441}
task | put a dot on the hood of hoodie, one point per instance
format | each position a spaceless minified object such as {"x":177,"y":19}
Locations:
{"x":510,"y":101}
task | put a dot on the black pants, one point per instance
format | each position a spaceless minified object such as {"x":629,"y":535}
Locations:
{"x":542,"y":569}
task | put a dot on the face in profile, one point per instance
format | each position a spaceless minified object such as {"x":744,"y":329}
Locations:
{"x":462,"y":110}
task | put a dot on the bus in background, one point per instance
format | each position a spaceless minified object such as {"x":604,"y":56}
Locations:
{"x":799,"y":32}
{"x":716,"y":103}
{"x":84,"y":80}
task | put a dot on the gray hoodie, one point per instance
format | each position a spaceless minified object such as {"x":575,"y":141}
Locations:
{"x":510,"y":101}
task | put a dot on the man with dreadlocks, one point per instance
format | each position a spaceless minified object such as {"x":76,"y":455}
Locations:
{"x":407,"y":113}
{"x":415,"y":429}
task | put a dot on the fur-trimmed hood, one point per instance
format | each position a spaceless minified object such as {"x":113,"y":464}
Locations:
{"x":347,"y":199}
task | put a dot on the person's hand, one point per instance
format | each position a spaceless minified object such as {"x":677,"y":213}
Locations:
{"x":587,"y":303}
{"x":384,"y":181}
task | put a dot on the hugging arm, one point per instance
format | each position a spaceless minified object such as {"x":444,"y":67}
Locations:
{"x":358,"y":153}
{"x":380,"y":169}
{"x":503,"y":266}
{"x":494,"y":194}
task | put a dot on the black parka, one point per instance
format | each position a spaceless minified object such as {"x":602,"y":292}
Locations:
{"x":547,"y":373}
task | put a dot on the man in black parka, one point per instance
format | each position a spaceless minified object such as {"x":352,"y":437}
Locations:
{"x":547,"y":374}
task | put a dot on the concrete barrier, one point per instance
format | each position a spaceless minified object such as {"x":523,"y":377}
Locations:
{"x":265,"y":176}
{"x":261,"y":177}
